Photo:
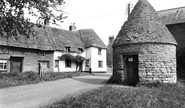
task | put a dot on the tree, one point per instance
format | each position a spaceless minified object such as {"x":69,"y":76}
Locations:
{"x":79,"y":61}
{"x":13,"y":22}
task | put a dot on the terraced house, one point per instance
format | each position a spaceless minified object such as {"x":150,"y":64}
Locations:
{"x":46,"y":46}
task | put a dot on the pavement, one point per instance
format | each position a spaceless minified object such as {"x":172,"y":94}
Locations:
{"x":37,"y":95}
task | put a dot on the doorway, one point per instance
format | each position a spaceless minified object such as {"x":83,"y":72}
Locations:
{"x":131,"y":69}
{"x":16,"y":64}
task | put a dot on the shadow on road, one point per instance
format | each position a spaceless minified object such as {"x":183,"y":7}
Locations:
{"x":95,"y":79}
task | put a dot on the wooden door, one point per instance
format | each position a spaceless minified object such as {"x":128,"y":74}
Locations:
{"x":16,"y":65}
{"x":131,"y":69}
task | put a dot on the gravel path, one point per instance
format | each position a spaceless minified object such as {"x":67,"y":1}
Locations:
{"x":35,"y":95}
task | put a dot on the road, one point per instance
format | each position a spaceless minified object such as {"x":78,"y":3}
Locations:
{"x":36,"y":95}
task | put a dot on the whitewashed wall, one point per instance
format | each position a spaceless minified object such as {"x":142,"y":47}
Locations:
{"x":62,"y":67}
{"x":95,"y":58}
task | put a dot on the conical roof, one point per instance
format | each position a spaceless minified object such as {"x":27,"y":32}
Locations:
{"x":144,"y":26}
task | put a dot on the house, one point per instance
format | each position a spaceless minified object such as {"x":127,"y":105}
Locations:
{"x":46,"y":46}
{"x":174,"y":19}
{"x":144,"y":50}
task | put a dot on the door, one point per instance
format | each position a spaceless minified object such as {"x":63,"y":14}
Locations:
{"x":131,"y":70}
{"x":16,"y":64}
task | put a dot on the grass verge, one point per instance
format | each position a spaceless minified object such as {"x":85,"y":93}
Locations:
{"x":15,"y":79}
{"x":161,"y":96}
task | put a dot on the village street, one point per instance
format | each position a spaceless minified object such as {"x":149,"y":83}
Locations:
{"x":35,"y":95}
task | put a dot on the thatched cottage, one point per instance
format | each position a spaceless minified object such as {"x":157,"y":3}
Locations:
{"x":21,"y":54}
{"x":144,"y":50}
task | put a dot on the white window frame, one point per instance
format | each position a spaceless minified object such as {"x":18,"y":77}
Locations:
{"x":4,"y":65}
{"x":45,"y":64}
{"x":42,"y":53}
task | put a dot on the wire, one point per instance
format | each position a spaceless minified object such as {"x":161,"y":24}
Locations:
{"x":99,"y":16}
{"x":181,"y":3}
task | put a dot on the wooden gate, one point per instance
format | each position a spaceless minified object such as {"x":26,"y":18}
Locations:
{"x":131,"y":69}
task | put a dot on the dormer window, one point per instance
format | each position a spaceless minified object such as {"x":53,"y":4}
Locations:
{"x":99,"y":51}
{"x":67,"y":49}
{"x":80,"y":50}
{"x":4,"y":50}
{"x":42,"y":53}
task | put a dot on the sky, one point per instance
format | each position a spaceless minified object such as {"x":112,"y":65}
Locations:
{"x":106,"y":16}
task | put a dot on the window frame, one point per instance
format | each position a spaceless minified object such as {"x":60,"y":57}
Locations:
{"x":4,"y":65}
{"x":99,"y":51}
{"x":68,"y":65}
{"x":68,"y":49}
{"x":100,"y":64}
{"x":80,"y":50}
{"x":45,"y":64}
{"x":87,"y":63}
{"x":56,"y":63}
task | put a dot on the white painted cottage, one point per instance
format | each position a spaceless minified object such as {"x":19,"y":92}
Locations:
{"x":91,"y":48}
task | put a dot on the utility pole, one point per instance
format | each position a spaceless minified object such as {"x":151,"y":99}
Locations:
{"x":128,"y":6}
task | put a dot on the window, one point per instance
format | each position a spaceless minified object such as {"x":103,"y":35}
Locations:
{"x":44,"y":64}
{"x":87,"y":63}
{"x":80,"y":50}
{"x":42,"y":53}
{"x":100,"y":63}
{"x":4,"y":50}
{"x":99,"y":51}
{"x":3,"y":64}
{"x":56,"y":63}
{"x":67,"y":49}
{"x":68,"y":63}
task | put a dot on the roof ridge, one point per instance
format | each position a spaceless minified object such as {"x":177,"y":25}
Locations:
{"x":171,"y":9}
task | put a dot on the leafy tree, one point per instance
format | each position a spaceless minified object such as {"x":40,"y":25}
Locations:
{"x":76,"y":59}
{"x":79,"y":61}
{"x":13,"y":22}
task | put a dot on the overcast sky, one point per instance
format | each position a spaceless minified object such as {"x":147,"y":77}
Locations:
{"x":106,"y":16}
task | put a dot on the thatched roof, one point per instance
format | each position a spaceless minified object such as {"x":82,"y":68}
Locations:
{"x":172,"y":16}
{"x":144,"y":26}
{"x":51,"y":39}
{"x":90,"y":38}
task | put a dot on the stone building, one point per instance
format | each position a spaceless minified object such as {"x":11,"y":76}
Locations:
{"x":144,"y":50}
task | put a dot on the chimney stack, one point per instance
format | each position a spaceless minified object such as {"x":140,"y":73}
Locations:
{"x":72,"y":27}
{"x":111,"y":39}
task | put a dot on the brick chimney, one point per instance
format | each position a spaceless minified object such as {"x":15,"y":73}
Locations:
{"x":72,"y":27}
{"x":111,"y":39}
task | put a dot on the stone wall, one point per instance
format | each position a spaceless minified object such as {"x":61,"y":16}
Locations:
{"x":157,"y":62}
{"x":30,"y":58}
